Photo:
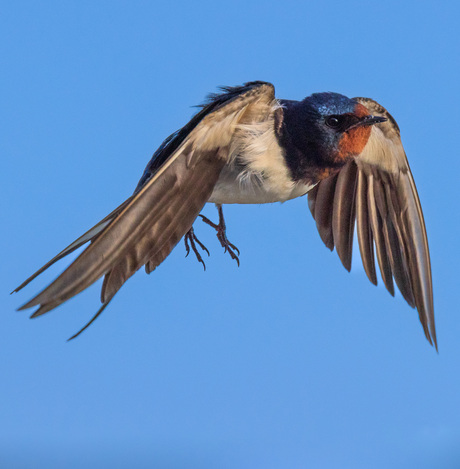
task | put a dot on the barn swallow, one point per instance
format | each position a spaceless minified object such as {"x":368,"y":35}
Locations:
{"x":244,"y":146}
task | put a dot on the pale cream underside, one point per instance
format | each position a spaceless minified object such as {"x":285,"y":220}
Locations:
{"x":256,"y":172}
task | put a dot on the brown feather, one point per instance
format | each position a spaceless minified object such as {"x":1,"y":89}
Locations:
{"x":311,"y":196}
{"x":404,"y":231}
{"x":377,"y":232}
{"x":121,"y":238}
{"x":419,"y":261}
{"x":365,"y":239}
{"x":323,"y":213}
{"x":83,"y":239}
{"x":343,"y":213}
{"x":398,"y":248}
{"x":170,"y":221}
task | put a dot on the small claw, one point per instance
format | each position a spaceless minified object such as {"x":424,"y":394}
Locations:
{"x":191,"y":236}
{"x":200,"y":259}
{"x":234,"y":256}
{"x":233,"y":247}
{"x":229,"y":247}
{"x":187,"y":247}
{"x":202,"y":246}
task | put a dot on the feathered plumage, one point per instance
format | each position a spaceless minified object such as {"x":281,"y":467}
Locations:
{"x":245,"y":146}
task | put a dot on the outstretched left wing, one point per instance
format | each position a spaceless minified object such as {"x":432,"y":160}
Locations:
{"x":177,"y":183}
{"x":377,"y":191}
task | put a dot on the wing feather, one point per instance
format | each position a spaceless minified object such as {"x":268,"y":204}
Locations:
{"x":365,"y":238}
{"x":174,"y":188}
{"x":378,"y":235}
{"x":323,"y":213}
{"x":343,"y":213}
{"x":83,"y":239}
{"x":173,"y":217}
{"x":379,"y":194}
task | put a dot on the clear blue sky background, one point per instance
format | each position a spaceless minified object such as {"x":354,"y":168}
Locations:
{"x":285,"y":362}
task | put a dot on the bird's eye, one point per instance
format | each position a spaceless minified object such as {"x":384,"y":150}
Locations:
{"x":334,"y":121}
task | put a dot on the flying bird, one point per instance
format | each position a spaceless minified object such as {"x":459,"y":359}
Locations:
{"x":245,"y":146}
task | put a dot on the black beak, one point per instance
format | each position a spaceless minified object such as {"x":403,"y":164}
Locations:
{"x":368,"y":120}
{"x":371,"y":120}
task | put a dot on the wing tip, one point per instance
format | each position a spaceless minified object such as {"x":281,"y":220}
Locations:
{"x":44,"y":308}
{"x":372,"y":276}
{"x":430,"y":335}
{"x":30,"y":304}
{"x":345,"y":258}
{"x":428,"y":324}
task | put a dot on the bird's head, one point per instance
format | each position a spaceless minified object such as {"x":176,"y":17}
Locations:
{"x":329,"y":127}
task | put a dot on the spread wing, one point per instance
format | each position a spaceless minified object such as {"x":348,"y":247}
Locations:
{"x":377,"y":191}
{"x":174,"y":188}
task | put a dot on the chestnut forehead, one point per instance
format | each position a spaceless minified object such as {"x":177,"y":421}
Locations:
{"x":361,"y":110}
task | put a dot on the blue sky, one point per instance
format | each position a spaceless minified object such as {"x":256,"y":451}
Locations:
{"x":285,"y":362}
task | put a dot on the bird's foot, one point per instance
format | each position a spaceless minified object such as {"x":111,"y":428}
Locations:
{"x":222,"y":235}
{"x":190,"y":236}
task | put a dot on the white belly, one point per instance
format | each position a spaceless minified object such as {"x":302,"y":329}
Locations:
{"x":235,"y":188}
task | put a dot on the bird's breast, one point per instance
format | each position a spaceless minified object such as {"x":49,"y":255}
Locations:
{"x":256,"y":172}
